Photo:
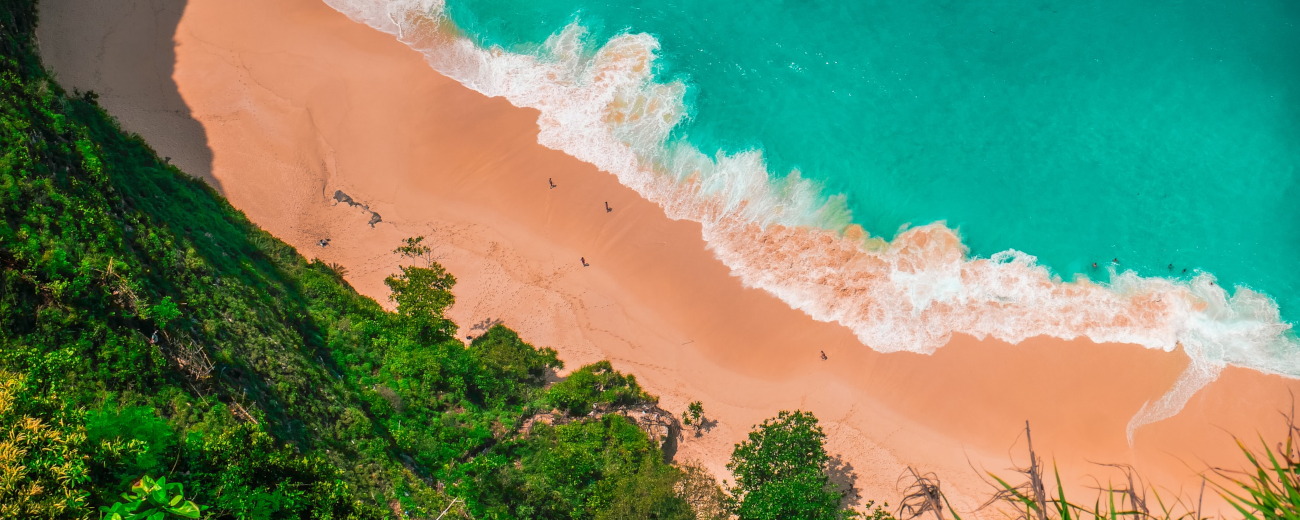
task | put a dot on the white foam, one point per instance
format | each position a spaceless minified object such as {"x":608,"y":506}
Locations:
{"x":779,"y":233}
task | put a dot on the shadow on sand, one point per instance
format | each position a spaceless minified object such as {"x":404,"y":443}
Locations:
{"x":124,"y":51}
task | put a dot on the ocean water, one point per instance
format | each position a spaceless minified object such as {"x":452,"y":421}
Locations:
{"x":998,"y":148}
{"x":1163,"y":133}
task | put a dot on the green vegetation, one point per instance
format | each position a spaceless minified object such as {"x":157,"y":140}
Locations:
{"x":1268,"y":489}
{"x":1033,"y":501}
{"x":42,"y":472}
{"x":604,"y":468}
{"x":147,"y":328}
{"x":693,"y":416}
{"x":1271,"y":490}
{"x":151,"y":499}
{"x":781,"y":472}
{"x":597,"y":387}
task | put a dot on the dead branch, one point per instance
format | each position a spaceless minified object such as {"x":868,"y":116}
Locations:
{"x":921,"y":496}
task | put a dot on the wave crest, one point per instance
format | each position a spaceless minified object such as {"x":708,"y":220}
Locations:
{"x":602,"y":104}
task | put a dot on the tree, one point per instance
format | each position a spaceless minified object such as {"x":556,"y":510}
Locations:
{"x":694,"y":416}
{"x":512,"y":369}
{"x":595,"y":468}
{"x":422,"y":290}
{"x":164,"y":312}
{"x":698,"y":488}
{"x":423,"y":293}
{"x":414,"y":248}
{"x":780,"y":472}
{"x":649,"y":494}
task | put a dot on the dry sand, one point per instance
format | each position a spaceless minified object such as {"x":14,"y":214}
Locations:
{"x":295,"y":101}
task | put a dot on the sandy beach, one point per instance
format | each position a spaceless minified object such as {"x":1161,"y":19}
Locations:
{"x":282,"y":103}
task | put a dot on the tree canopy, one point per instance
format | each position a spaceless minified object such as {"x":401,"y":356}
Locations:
{"x":148,"y":328}
{"x":781,"y":472}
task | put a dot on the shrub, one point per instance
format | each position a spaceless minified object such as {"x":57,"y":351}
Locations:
{"x":151,"y":499}
{"x":596,"y":385}
{"x":43,"y":472}
{"x":781,"y":472}
{"x":511,"y":367}
{"x":128,"y":442}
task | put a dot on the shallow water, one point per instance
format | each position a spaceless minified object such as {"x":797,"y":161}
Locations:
{"x":1165,"y":135}
{"x":1161,"y":138}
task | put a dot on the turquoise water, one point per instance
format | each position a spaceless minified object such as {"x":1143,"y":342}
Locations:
{"x":1161,"y":134}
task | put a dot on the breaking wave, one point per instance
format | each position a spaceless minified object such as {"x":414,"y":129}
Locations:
{"x":602,"y":104}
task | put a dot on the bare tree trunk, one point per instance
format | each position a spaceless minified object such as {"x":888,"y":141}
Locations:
{"x":1036,"y":487}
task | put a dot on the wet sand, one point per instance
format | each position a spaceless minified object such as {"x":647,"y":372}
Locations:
{"x":295,"y":101}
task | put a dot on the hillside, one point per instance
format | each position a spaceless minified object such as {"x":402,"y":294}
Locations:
{"x":147,"y":328}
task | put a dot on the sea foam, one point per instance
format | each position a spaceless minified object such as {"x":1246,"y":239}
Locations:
{"x":781,"y":233}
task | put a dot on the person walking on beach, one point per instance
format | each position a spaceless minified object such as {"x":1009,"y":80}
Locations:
{"x":551,"y":182}
{"x":584,"y":261}
{"x":824,"y":355}
{"x":607,"y":208}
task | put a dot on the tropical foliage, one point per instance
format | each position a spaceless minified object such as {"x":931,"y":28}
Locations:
{"x":151,"y":499}
{"x":147,"y":328}
{"x":781,"y":472}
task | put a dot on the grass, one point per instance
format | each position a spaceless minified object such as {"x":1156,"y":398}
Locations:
{"x":1268,"y":488}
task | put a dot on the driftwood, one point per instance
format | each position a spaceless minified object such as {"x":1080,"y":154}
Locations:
{"x":1031,"y":500}
{"x":1033,"y":488}
{"x":1134,"y":495}
{"x":921,"y":496}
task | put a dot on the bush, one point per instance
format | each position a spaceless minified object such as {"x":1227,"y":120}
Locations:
{"x":594,"y":386}
{"x":153,"y":500}
{"x":780,"y":472}
{"x":511,"y":368}
{"x":43,"y":472}
{"x":423,"y":294}
{"x":594,"y":468}
{"x":128,"y":442}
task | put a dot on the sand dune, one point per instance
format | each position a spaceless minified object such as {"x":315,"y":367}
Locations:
{"x":295,"y":102}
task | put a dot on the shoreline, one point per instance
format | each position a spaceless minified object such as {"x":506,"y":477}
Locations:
{"x":296,"y":101}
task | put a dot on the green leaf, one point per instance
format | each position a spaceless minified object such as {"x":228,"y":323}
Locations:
{"x":158,"y":496}
{"x":187,"y":510}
